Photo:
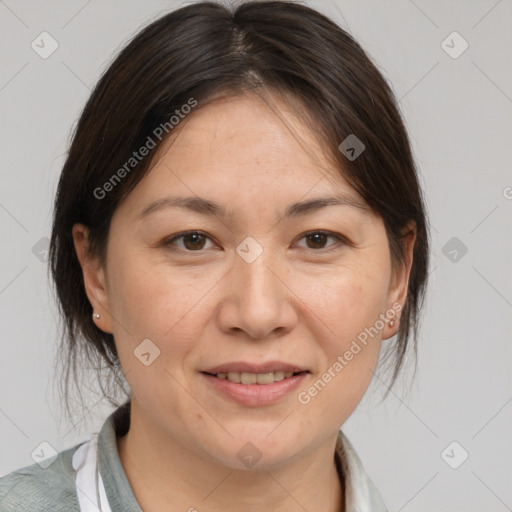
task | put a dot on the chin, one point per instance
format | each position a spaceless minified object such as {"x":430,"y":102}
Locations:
{"x":254,"y":449}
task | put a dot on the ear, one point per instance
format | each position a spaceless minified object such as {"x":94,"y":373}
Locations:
{"x":399,"y":284}
{"x":94,"y":278}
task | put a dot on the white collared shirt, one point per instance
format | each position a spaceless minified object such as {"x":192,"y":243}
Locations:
{"x":89,"y":477}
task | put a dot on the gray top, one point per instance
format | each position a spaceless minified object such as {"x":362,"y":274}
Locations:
{"x":34,"y":488}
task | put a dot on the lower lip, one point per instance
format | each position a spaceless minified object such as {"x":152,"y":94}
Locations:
{"x":255,"y":395}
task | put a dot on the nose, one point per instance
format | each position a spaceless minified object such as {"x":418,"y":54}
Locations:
{"x":256,"y":299}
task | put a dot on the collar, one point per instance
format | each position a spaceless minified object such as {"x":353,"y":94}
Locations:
{"x":361,"y":494}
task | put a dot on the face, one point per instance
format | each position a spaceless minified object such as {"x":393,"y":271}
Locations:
{"x":258,"y":280}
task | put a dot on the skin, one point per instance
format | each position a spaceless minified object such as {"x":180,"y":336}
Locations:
{"x":301,"y":301}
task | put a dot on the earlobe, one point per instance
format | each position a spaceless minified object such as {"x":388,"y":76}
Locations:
{"x":94,"y":278}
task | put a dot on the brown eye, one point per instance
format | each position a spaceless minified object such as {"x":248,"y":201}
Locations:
{"x":318,"y":239}
{"x":192,"y":241}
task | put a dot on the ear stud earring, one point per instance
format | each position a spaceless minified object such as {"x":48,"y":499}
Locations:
{"x":391,"y":323}
{"x":96,"y":315}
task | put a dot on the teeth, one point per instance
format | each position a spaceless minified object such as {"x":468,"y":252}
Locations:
{"x":248,"y":378}
{"x":232,"y":376}
{"x":254,"y":378}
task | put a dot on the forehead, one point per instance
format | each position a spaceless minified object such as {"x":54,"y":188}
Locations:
{"x":245,"y":147}
{"x":247,"y":131}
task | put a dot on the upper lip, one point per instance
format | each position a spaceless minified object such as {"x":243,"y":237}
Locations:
{"x":245,"y":367}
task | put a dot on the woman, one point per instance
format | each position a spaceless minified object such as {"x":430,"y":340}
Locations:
{"x":238,"y":226}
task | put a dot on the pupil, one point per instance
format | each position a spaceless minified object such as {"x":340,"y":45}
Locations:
{"x":317,"y":239}
{"x":196,"y":238}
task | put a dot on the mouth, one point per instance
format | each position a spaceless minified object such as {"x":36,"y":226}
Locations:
{"x":255,"y":384}
{"x":248,"y":378}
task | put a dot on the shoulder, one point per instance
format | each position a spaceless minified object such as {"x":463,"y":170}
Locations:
{"x":36,"y":489}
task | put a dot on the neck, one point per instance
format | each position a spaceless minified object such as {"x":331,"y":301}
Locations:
{"x":167,"y":476}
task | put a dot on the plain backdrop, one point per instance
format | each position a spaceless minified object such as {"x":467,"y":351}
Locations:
{"x":458,"y":110}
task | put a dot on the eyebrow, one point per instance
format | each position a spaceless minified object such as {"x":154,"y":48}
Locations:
{"x":209,"y":207}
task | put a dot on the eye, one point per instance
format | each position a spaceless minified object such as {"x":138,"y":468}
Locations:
{"x":318,"y":239}
{"x":193,"y":241}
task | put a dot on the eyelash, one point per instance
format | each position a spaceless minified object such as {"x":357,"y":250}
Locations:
{"x":169,"y":243}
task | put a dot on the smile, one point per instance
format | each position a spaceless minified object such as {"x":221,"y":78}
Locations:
{"x":254,"y":389}
{"x":255,"y":378}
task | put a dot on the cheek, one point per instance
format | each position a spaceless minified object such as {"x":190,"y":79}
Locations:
{"x":148,"y":301}
{"x":348,"y":301}
{"x":356,"y":335}
{"x":361,"y":298}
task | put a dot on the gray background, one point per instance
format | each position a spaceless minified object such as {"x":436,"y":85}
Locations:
{"x":458,"y":111}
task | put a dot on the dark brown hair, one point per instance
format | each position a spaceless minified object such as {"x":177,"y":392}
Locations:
{"x":205,"y":51}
